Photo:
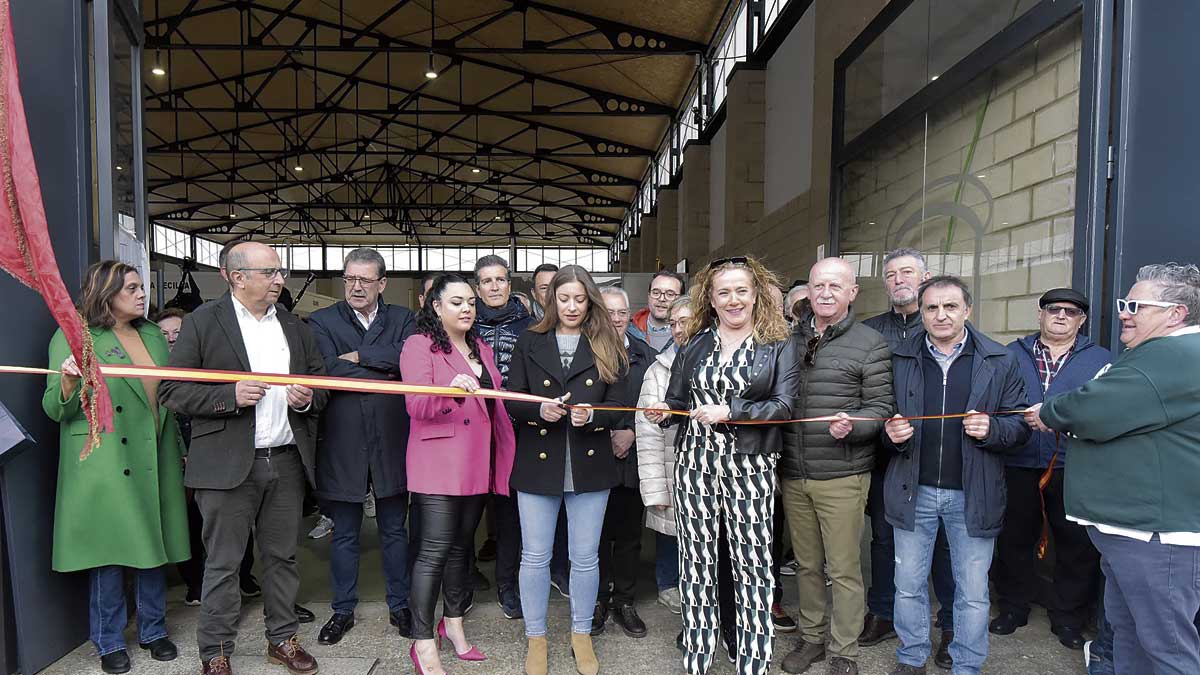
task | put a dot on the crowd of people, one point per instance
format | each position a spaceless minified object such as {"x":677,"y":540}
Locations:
{"x":965,"y":455}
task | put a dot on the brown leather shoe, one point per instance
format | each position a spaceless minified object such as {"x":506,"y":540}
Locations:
{"x":217,"y":665}
{"x":290,"y":654}
{"x":876,"y":630}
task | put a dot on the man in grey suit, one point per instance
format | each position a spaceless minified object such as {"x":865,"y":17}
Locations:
{"x":253,"y":446}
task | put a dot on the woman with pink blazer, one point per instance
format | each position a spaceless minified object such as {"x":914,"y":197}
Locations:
{"x":459,"y":451}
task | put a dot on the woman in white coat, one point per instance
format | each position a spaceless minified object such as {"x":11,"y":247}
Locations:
{"x":656,"y":463}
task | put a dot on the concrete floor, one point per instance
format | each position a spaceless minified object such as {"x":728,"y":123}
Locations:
{"x":373,"y":647}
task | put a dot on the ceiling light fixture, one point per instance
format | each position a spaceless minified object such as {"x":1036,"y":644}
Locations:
{"x":475,"y":169}
{"x":157,"y":68}
{"x":120,"y":168}
{"x":298,"y":167}
{"x":430,"y":73}
{"x":933,"y":78}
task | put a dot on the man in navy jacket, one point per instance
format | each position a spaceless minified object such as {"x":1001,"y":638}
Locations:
{"x":1055,"y":360}
{"x":363,"y":438}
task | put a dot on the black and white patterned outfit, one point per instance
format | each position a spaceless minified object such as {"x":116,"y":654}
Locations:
{"x":718,"y":488}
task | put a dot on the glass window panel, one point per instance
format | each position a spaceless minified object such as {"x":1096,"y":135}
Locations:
{"x":926,"y":40}
{"x":983,"y":186}
{"x":208,"y":252}
{"x":121,"y":64}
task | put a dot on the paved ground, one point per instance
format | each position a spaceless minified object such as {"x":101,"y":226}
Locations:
{"x":373,"y":647}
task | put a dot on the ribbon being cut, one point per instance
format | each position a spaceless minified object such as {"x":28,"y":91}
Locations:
{"x":363,"y":386}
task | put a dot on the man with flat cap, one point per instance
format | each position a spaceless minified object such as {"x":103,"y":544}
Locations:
{"x":1054,"y":360}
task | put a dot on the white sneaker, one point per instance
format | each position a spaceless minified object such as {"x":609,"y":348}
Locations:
{"x":669,"y":598}
{"x":369,"y":504}
{"x":323,"y":528}
{"x":788,"y":569}
{"x":1087,"y":654}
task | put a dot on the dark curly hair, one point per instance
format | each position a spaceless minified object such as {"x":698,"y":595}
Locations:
{"x":430,"y":324}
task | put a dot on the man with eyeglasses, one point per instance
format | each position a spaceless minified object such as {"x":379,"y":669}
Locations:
{"x":652,"y":325}
{"x":363,"y":439}
{"x":621,"y":539}
{"x":253,"y":446}
{"x":1054,"y":360}
{"x":1134,"y":475}
{"x":825,"y":468}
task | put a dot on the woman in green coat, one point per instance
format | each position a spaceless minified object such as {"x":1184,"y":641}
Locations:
{"x":123,"y":506}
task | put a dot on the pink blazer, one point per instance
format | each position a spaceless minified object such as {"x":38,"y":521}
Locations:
{"x":455,"y":447}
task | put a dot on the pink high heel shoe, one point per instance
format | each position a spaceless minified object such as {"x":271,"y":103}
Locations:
{"x":412,"y":653}
{"x":472,"y":654}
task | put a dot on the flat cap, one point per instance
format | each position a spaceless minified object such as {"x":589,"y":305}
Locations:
{"x":1065,"y":295}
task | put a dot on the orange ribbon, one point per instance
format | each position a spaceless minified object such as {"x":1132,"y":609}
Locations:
{"x":365,"y":386}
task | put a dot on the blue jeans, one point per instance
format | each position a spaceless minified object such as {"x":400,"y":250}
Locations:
{"x":881,"y":596}
{"x":970,"y":559}
{"x":539,"y":520}
{"x":1151,"y":596}
{"x":390,"y":514}
{"x":106,"y":611}
{"x":666,"y":561}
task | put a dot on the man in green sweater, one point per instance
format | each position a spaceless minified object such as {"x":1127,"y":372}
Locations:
{"x":1133,"y":475}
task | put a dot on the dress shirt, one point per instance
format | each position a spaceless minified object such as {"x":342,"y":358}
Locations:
{"x":268,"y":352}
{"x":366,"y":321}
{"x":1169,"y":538}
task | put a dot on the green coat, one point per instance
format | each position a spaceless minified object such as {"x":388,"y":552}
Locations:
{"x":123,"y":505}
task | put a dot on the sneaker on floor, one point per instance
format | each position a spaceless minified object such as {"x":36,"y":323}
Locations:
{"x":369,"y":504}
{"x":192,"y":599}
{"x":788,"y":568}
{"x":782,"y":622}
{"x":510,"y":604}
{"x":669,"y":598}
{"x":562,"y":585}
{"x":323,"y":528}
{"x":1087,"y":654}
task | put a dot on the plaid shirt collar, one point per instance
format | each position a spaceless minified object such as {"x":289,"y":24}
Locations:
{"x":1047,"y":366}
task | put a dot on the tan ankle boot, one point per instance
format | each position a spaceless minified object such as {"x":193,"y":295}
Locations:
{"x":535,"y":656}
{"x":585,"y":656}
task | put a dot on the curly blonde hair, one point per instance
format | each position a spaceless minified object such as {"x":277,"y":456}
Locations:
{"x":767,"y":316}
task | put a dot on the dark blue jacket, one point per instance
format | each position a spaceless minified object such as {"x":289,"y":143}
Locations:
{"x":1082,"y":365}
{"x":996,"y":385}
{"x":500,"y":328}
{"x":362,"y":433}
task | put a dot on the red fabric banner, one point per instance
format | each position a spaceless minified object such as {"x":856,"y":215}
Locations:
{"x":25,"y":250}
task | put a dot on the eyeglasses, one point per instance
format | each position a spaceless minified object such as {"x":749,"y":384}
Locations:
{"x":740,"y":260}
{"x":661,"y":294}
{"x":1131,"y":307}
{"x":268,"y":272}
{"x":1054,"y":310}
{"x":810,"y":352}
{"x":354,"y":281}
{"x":618,"y":313}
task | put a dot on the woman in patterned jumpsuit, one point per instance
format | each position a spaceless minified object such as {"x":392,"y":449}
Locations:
{"x":739,"y":365}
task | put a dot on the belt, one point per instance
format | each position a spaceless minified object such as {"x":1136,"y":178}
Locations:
{"x":267,"y":453}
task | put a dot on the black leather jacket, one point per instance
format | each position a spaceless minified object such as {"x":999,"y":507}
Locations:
{"x":773,"y":384}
